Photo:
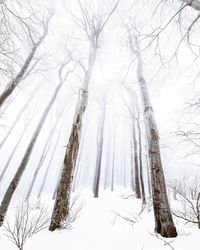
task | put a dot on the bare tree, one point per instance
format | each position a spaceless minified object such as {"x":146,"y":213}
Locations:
{"x":164,"y":224}
{"x":27,"y":222}
{"x":93,"y":25}
{"x":20,"y":170}
{"x":189,"y":208}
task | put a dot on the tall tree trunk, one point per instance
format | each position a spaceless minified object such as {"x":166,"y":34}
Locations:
{"x":16,"y":179}
{"x":107,"y":171}
{"x":113,"y":165}
{"x":97,"y":174}
{"x":132,"y":165}
{"x":164,"y":224}
{"x":148,"y":174}
{"x":123,"y":163}
{"x":62,"y":202}
{"x":136,"y":163}
{"x":141,"y":163}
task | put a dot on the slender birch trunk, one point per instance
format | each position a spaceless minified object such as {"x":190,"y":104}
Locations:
{"x":16,"y":179}
{"x":99,"y":155}
{"x":164,"y":224}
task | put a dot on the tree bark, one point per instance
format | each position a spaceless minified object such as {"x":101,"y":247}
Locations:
{"x":78,"y":166}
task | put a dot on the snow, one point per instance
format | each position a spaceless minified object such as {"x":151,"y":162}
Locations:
{"x":101,"y":227}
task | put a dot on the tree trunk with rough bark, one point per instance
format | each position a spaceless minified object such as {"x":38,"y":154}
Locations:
{"x":164,"y":224}
{"x":62,"y":202}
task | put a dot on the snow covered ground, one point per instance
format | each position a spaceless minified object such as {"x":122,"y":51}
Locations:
{"x":100,"y":226}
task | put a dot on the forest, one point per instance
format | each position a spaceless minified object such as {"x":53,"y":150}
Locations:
{"x":99,"y":124}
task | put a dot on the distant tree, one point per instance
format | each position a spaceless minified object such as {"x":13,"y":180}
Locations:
{"x":100,"y":139}
{"x":113,"y":163}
